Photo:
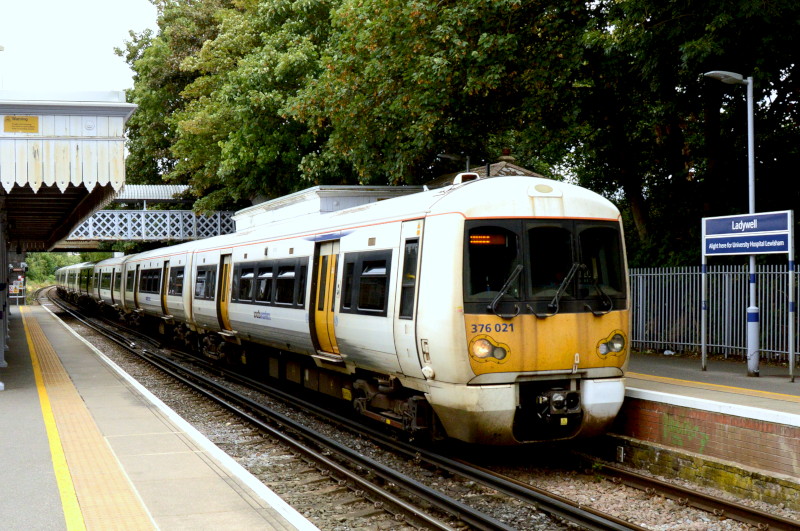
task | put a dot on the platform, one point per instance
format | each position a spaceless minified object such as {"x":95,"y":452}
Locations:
{"x":83,"y":446}
{"x":717,"y":425}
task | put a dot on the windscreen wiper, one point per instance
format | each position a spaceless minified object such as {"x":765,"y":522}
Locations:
{"x":552,"y":307}
{"x":607,"y":302}
{"x":492,"y":306}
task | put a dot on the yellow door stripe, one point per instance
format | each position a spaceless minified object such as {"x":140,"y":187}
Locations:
{"x":95,"y":492}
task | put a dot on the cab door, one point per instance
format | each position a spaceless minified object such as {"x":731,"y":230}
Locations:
{"x":325,"y":296}
{"x":405,"y":315}
{"x":223,"y":295}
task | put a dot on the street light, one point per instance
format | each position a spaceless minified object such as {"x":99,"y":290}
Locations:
{"x":732,"y":78}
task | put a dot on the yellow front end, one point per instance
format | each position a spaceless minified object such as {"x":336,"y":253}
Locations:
{"x":526,"y":344}
{"x":563,"y":373}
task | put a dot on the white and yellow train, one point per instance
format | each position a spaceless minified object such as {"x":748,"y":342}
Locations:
{"x":494,"y":311}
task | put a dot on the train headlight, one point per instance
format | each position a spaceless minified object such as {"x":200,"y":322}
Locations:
{"x":613,"y":345}
{"x":616,"y":343}
{"x":499,"y":353}
{"x":482,"y":348}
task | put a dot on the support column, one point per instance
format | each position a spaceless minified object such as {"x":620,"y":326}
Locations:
{"x":3,"y":294}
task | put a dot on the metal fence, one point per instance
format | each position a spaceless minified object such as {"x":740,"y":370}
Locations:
{"x":666,"y":304}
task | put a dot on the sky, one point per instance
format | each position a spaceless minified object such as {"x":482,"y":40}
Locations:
{"x":68,"y":45}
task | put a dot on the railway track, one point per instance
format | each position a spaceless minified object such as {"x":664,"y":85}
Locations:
{"x":405,"y":499}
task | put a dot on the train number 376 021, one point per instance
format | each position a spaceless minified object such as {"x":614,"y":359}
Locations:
{"x":485,"y":328}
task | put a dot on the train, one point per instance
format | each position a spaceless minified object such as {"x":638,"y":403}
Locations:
{"x":492,"y":311}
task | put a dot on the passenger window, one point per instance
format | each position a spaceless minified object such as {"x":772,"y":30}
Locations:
{"x":347,"y":292}
{"x":372,"y":291}
{"x":206,"y":282}
{"x":175,"y":283}
{"x":117,"y":281}
{"x":366,"y":282}
{"x":129,"y":279}
{"x":300,"y":299}
{"x":264,"y":286}
{"x":105,"y":281}
{"x":150,"y":281}
{"x":246,"y":283}
{"x":284,"y":285}
{"x":409,"y":281}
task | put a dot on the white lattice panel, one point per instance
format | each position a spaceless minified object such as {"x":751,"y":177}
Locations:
{"x":152,"y":225}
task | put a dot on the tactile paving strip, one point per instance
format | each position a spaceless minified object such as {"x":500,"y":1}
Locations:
{"x":106,"y":498}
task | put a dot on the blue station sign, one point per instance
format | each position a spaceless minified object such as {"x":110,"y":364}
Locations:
{"x":764,"y":233}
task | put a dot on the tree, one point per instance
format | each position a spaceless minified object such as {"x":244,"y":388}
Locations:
{"x":184,"y":25}
{"x":236,"y":141}
{"x":405,"y":81}
{"x":260,"y":98}
{"x":42,"y":266}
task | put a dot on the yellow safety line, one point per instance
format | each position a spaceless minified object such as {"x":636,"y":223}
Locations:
{"x":711,"y":386}
{"x":66,"y":489}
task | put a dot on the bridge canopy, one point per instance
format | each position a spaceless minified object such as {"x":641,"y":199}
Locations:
{"x":152,"y":193}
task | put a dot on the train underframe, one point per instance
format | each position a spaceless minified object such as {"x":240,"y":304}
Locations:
{"x":377,"y":396}
{"x":546,"y":409}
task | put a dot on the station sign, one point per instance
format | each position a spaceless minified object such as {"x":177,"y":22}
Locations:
{"x":764,"y":233}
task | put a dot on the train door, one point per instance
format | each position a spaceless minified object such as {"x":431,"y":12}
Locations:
{"x":325,"y":296}
{"x":405,"y":315}
{"x":164,"y":287}
{"x":136,"y":288}
{"x":113,"y":277}
{"x":116,"y":288}
{"x":223,"y":295}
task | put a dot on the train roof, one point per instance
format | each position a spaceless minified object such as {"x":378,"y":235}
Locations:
{"x":506,"y":196}
{"x":81,"y":265}
{"x":113,"y":261}
{"x":470,"y":197}
{"x":318,"y":200}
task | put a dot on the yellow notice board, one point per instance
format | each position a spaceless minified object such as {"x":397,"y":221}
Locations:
{"x":20,"y":124}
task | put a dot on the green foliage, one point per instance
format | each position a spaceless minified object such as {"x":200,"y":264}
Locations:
{"x":184,"y":25}
{"x":248,"y":99}
{"x":42,"y":266}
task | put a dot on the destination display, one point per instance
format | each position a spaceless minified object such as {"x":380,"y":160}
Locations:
{"x":764,"y":233}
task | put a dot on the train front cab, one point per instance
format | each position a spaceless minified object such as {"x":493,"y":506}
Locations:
{"x":546,"y":309}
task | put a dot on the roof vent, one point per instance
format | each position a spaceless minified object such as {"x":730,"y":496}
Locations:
{"x":466,"y":177}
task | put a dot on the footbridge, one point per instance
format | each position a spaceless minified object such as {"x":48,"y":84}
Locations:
{"x":135,"y":219}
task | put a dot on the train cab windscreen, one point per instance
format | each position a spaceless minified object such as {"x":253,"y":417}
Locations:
{"x":543,"y":267}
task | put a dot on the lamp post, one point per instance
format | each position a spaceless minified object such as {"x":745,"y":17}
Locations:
{"x":732,"y":78}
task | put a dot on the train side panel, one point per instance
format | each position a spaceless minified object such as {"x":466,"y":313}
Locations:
{"x":269,"y":295}
{"x":366,"y":293}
